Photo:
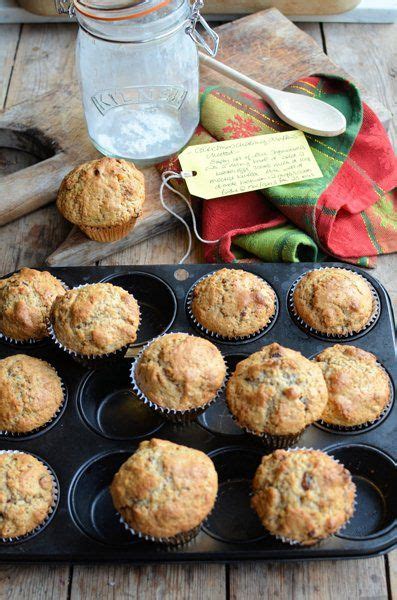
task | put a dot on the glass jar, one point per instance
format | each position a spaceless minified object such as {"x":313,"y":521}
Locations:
{"x":137,"y":64}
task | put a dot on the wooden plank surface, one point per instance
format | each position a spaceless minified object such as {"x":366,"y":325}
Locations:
{"x":336,"y":580}
{"x":27,"y":242}
{"x":176,"y":582}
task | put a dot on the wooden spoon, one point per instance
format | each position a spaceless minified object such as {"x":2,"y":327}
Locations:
{"x":302,"y":112}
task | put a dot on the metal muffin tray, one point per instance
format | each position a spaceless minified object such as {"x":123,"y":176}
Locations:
{"x":102,"y":424}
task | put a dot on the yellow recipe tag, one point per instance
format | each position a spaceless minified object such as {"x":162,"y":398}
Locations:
{"x":247,"y":164}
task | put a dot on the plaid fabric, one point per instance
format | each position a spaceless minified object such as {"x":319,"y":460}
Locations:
{"x":349,"y":213}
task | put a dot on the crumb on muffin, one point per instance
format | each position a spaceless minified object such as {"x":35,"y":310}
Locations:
{"x":30,"y":393}
{"x":165,"y":489}
{"x":26,"y":494}
{"x":358,"y":387}
{"x":180,"y":371}
{"x":303,"y":495}
{"x":276,"y":391}
{"x":26,"y":298}
{"x":95,"y":319}
{"x":334,"y":301}
{"x":233,"y":303}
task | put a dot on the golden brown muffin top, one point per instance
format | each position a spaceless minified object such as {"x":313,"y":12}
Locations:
{"x":276,"y":391}
{"x":26,"y":298}
{"x":334,"y":301}
{"x":180,"y":371}
{"x":358,"y":387}
{"x":95,"y":319}
{"x":102,"y":193}
{"x":233,"y":303}
{"x":165,"y":489}
{"x":302,"y":495}
{"x":30,"y":393}
{"x":26,"y":494}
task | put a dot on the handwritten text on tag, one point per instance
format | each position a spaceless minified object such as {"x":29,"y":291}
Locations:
{"x":243,"y":165}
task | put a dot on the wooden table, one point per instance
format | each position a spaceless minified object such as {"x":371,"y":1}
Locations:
{"x":32,"y":57}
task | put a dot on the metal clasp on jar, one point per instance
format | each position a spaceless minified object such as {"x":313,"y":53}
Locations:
{"x":65,"y":7}
{"x":195,"y":19}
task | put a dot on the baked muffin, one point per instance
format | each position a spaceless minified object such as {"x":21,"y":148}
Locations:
{"x":276,"y":393}
{"x":179,"y":373}
{"x":26,"y":298}
{"x":358,"y":387}
{"x":334,"y":301}
{"x":30,"y":393}
{"x":96,"y":319}
{"x":303,"y":496}
{"x":233,"y":303}
{"x":103,"y":197}
{"x":27,"y":493}
{"x":164,"y":491}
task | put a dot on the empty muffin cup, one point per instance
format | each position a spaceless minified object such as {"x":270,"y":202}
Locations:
{"x":374,"y":474}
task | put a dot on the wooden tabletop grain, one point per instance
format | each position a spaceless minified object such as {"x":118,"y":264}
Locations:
{"x":33,"y":60}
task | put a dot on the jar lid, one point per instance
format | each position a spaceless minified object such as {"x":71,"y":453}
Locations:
{"x":115,"y":10}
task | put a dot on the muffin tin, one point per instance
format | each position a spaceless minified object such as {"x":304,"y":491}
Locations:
{"x":102,"y":423}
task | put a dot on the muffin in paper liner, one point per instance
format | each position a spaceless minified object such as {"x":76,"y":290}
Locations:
{"x":53,"y":507}
{"x":27,"y":434}
{"x":368,"y":424}
{"x":176,"y":540}
{"x":218,"y":337}
{"x":31,"y":341}
{"x":293,"y":542}
{"x":111,"y":233}
{"x":268,"y":424}
{"x":173,"y":415}
{"x":332,"y":336}
{"x":92,"y":361}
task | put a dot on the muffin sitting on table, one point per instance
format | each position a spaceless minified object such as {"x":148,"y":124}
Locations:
{"x":26,"y":298}
{"x":104,"y":198}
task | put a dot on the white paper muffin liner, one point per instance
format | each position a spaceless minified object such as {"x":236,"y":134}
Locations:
{"x":171,"y":414}
{"x":334,"y":336}
{"x":176,"y":540}
{"x":221,"y":338}
{"x":363,"y":426}
{"x":89,"y":360}
{"x":53,"y":507}
{"x":292,"y":542}
{"x":30,"y":341}
{"x":21,"y":435}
